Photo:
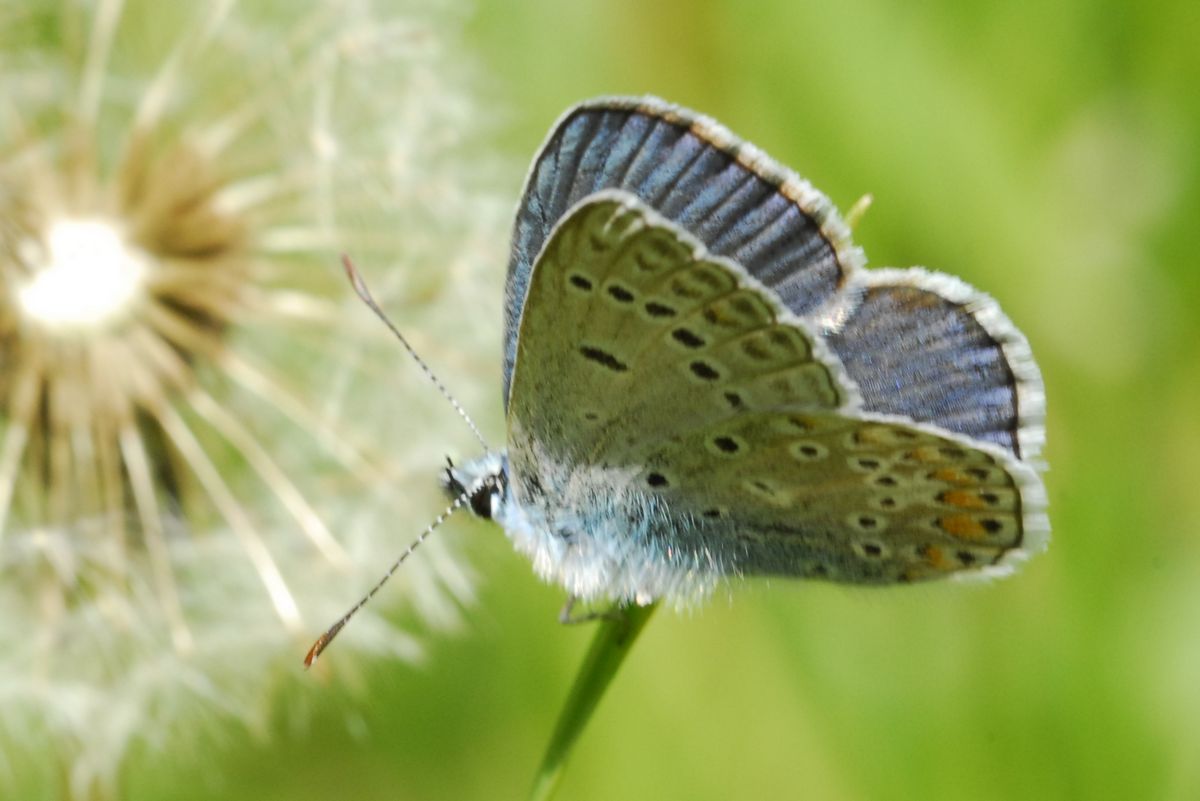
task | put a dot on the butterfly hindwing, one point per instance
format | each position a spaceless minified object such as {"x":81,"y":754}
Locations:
{"x":822,"y":495}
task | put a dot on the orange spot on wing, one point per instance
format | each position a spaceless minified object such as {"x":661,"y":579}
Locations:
{"x":872,"y":435}
{"x":936,"y":558}
{"x":964,"y":527}
{"x":962,"y":499}
{"x":951,"y":476}
{"x":925,"y":453}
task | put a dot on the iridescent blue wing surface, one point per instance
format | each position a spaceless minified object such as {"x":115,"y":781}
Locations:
{"x":930,"y":347}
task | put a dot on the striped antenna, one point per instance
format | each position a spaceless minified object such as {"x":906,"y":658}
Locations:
{"x":360,"y":287}
{"x":325,"y":639}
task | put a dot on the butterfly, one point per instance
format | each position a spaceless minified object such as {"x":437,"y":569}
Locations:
{"x":702,"y":380}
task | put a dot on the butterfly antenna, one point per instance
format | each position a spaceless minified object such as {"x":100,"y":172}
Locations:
{"x":360,"y":287}
{"x":325,"y":639}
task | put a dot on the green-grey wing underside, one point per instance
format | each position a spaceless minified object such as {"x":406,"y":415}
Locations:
{"x":641,"y":354}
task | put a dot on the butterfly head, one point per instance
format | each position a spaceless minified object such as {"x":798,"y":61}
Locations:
{"x":482,"y":480}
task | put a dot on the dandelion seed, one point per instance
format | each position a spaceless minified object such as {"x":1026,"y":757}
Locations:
{"x":195,"y":435}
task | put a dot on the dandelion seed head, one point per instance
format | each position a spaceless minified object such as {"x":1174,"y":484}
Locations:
{"x":202,"y":456}
{"x":87,"y":276}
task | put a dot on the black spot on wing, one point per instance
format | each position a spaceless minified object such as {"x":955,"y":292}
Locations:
{"x":603,"y":358}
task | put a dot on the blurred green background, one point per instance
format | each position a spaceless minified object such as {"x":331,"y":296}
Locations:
{"x":1045,"y":152}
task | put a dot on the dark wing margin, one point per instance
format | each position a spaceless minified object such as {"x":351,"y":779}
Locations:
{"x":727,"y":193}
{"x":932,"y":348}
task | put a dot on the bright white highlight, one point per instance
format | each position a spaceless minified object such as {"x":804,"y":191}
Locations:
{"x":90,"y":275}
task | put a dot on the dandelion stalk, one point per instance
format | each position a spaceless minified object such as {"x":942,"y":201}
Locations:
{"x":613,"y":641}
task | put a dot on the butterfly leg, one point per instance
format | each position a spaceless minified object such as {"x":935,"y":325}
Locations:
{"x":567,"y":618}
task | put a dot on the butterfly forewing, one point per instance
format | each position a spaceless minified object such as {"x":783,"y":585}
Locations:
{"x":638,"y":333}
{"x":931,"y":348}
{"x":691,"y":170}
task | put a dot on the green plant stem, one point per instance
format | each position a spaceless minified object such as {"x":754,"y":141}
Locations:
{"x":614,"y":638}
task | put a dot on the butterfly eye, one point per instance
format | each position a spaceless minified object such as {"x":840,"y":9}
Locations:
{"x":481,"y":501}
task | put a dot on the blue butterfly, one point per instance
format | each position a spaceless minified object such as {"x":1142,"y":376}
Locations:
{"x":701,"y":381}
